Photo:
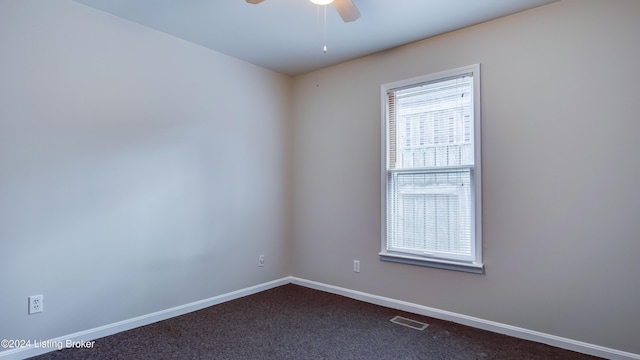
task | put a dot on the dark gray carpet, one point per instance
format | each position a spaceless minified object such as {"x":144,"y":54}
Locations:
{"x":294,"y":322}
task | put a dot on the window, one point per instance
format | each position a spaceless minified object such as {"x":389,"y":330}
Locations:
{"x":431,"y":171}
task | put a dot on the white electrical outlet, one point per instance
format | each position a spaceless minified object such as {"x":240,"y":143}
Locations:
{"x":36,"y":304}
{"x":356,"y":266}
{"x":261,"y":260}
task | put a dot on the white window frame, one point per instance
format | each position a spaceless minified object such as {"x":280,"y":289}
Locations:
{"x":474,"y":265}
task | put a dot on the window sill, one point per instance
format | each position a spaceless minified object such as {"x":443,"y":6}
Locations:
{"x":434,"y":263}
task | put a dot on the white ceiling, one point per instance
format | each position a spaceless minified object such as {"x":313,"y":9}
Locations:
{"x":287,"y":35}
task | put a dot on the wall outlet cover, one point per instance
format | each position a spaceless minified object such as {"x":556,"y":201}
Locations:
{"x":36,"y":304}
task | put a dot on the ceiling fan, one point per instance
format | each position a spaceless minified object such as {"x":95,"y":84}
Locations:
{"x":346,"y":8}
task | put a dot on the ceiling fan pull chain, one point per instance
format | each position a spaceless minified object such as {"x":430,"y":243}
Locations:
{"x":325,"y":30}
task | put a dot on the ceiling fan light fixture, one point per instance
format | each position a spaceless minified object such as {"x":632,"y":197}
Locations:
{"x":321,"y":2}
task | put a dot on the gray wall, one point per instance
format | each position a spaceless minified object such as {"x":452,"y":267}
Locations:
{"x":560,"y":129}
{"x":138,"y":172}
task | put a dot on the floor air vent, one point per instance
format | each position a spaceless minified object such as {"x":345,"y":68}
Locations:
{"x":409,"y":323}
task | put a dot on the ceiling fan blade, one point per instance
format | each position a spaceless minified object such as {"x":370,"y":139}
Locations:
{"x":254,"y":1}
{"x":347,"y":10}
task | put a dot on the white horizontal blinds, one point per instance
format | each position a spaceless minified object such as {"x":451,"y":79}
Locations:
{"x":431,"y":214}
{"x":435,"y":124}
{"x":430,"y":172}
{"x":391,"y":129}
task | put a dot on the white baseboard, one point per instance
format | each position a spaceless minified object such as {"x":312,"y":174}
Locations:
{"x":496,"y":327}
{"x":110,"y":329}
{"x":514,"y":331}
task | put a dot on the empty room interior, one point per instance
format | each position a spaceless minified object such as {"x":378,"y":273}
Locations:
{"x":144,"y":175}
